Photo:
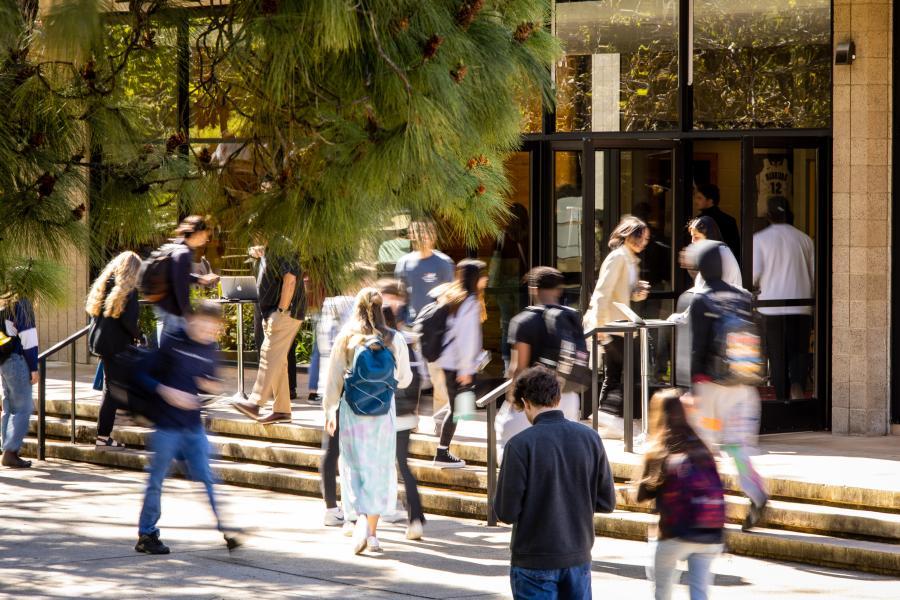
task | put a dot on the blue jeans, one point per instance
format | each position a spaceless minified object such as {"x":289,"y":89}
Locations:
{"x":167,"y":444}
{"x":314,"y":368}
{"x":17,"y":402}
{"x":572,"y":583}
{"x":699,"y":558}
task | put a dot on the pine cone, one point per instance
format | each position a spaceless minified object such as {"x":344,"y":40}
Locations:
{"x":141,"y":189}
{"x":523,"y":32}
{"x":78,"y":212}
{"x":472,"y":163}
{"x":468,"y":11}
{"x":88,"y":72}
{"x":401,"y":24}
{"x":268,"y":7}
{"x":205,"y":157}
{"x":46,"y":183}
{"x":483,"y":161}
{"x":459,"y":73}
{"x":432,"y":45}
{"x":36,"y":140}
{"x":175,"y":140}
{"x":480,"y":189}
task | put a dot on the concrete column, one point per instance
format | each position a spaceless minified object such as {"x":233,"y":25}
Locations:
{"x":861,"y":213}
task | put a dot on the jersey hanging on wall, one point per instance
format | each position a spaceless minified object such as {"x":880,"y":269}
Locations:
{"x":773,"y":180}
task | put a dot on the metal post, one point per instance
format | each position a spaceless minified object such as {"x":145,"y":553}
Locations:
{"x":628,"y":391}
{"x":240,"y":347}
{"x":595,"y":399}
{"x":72,"y":392}
{"x":42,"y":409}
{"x":491,"y":462}
{"x":645,"y":379}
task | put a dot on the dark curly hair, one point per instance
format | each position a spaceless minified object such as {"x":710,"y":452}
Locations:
{"x":538,"y":385}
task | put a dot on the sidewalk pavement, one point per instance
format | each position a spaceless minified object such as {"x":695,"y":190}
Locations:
{"x":67,"y":530}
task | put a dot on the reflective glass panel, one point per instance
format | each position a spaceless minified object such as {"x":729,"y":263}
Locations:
{"x":763,"y":64}
{"x":620,"y":69}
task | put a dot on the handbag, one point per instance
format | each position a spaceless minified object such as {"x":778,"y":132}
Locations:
{"x":99,"y":376}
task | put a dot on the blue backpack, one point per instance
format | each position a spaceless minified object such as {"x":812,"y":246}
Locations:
{"x":369,"y":383}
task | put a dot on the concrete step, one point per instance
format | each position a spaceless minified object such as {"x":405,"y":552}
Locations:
{"x":224,"y":421}
{"x":795,"y":516}
{"x":876,"y":557}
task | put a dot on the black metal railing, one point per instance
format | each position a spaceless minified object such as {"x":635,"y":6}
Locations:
{"x":42,"y":388}
{"x":489,"y":400}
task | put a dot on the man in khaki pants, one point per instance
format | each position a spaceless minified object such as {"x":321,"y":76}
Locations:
{"x":282,"y":303}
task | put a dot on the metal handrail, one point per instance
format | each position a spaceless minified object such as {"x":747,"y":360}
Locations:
{"x":42,"y":388}
{"x":490,"y":400}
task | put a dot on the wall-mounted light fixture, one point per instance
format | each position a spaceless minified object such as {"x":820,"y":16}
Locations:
{"x":845,"y":53}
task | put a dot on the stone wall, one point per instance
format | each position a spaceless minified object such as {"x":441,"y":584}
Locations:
{"x":861,"y":214}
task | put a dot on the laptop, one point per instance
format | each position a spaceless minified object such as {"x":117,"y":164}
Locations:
{"x":626,"y":310}
{"x":238,"y":288}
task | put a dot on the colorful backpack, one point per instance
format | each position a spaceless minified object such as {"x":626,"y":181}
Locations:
{"x":692,"y":496}
{"x":736,"y":356}
{"x":369,"y":383}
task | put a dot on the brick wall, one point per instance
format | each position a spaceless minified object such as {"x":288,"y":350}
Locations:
{"x":861,"y":213}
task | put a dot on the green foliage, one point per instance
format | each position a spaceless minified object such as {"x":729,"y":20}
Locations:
{"x":346,"y":112}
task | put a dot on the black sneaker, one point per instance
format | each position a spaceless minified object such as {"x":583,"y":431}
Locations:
{"x":150,"y":544}
{"x":754,"y":515}
{"x":445,"y":460}
{"x":314,"y":399}
{"x":233,"y":540}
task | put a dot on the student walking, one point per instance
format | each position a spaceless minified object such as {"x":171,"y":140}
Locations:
{"x":554,"y":477}
{"x":361,"y":382}
{"x":461,"y":346}
{"x":725,"y":359}
{"x":174,"y":374}
{"x":19,"y":372}
{"x":168,"y":275}
{"x":617,"y":284}
{"x":407,"y":402}
{"x":536,"y":336}
{"x":113,"y":306}
{"x":679,"y":472}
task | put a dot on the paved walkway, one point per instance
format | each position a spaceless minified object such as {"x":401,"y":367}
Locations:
{"x":67,"y":530}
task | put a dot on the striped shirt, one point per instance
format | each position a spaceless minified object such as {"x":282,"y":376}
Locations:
{"x":19,"y":323}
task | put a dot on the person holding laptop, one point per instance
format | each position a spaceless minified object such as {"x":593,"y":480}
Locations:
{"x":282,"y":306}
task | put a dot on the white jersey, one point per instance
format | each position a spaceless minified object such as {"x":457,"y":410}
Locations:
{"x":774,"y":180}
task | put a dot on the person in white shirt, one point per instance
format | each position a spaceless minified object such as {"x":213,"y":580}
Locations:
{"x":784,"y":269}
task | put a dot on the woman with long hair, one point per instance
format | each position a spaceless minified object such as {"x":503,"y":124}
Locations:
{"x":679,"y":472}
{"x":19,"y":372}
{"x":617,"y":284}
{"x":367,"y":442}
{"x":113,"y":306}
{"x":462,"y":346}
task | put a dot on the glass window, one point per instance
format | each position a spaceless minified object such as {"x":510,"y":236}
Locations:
{"x":763,"y":64}
{"x":716,"y":189}
{"x":620,"y":69}
{"x":568,"y":206}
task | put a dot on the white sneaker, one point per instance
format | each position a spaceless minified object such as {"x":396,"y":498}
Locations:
{"x":613,"y":426}
{"x":372,"y":544}
{"x":349,"y":528}
{"x":360,"y":535}
{"x":334,"y":517}
{"x":394,"y":516}
{"x":415,"y":530}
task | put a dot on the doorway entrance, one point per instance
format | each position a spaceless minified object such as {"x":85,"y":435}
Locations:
{"x":591,"y":184}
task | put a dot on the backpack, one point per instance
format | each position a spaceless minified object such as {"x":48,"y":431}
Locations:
{"x":570,"y":359}
{"x":407,"y":399}
{"x":431,"y":325}
{"x":691,"y":496}
{"x":369,"y":383}
{"x":736,"y":357}
{"x":156,"y":274}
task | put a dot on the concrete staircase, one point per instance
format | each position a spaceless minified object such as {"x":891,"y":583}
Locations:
{"x":822,"y":524}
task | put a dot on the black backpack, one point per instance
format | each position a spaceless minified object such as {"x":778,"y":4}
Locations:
{"x":736,"y":356}
{"x":570,"y":359}
{"x":431,"y":324}
{"x":156,"y":274}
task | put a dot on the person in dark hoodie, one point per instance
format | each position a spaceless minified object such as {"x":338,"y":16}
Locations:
{"x":554,"y":477}
{"x":184,"y":364}
{"x":726,"y":409}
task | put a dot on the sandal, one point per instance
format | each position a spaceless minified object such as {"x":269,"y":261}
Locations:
{"x":108,"y":443}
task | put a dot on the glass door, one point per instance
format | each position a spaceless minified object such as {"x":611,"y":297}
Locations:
{"x":784,"y":237}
